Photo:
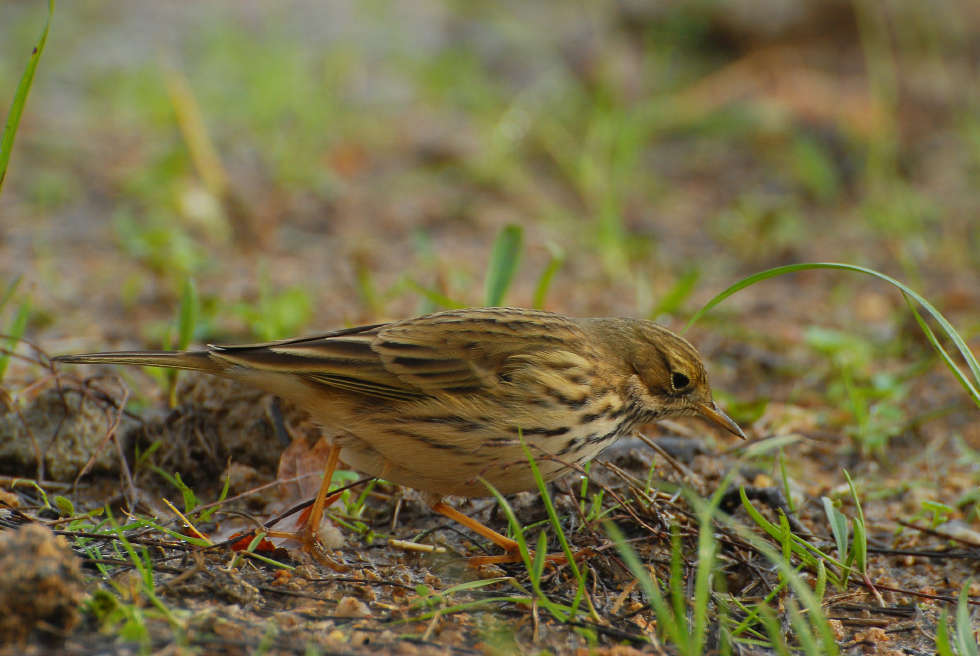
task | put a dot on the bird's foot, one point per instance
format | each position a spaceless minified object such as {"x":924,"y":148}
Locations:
{"x":308,"y":535}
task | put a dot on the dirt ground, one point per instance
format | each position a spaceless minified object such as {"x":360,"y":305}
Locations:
{"x":312,"y":166}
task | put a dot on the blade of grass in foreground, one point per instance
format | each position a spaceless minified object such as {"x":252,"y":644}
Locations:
{"x":556,"y":525}
{"x":20,"y":97}
{"x":533,"y":567}
{"x":971,"y":361}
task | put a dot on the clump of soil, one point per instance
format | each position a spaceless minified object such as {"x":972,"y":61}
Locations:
{"x":61,"y":430}
{"x":41,"y":586}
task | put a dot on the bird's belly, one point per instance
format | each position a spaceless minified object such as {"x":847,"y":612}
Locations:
{"x":460,"y":468}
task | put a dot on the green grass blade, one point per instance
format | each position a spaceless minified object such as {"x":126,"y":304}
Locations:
{"x":784,"y":476}
{"x":774,"y":630}
{"x":821,"y":586}
{"x":17,"y":328}
{"x":931,"y":336}
{"x":681,"y":290}
{"x":537,"y":565}
{"x":503,"y":263}
{"x":190,"y":499}
{"x":804,"y":594}
{"x":20,"y":97}
{"x":667,"y":623}
{"x":860,"y":530}
{"x":9,"y":292}
{"x":787,"y":537}
{"x":801,"y":630}
{"x":534,"y":567}
{"x":677,"y":589}
{"x":954,"y":336}
{"x":838,"y":527}
{"x":707,"y":557}
{"x":556,"y":524}
{"x":515,"y":526}
{"x":806,"y":552}
{"x":205,"y":514}
{"x":943,"y":645}
{"x":437,"y":299}
{"x":544,"y":282}
{"x":965,"y":640}
{"x":431,"y":598}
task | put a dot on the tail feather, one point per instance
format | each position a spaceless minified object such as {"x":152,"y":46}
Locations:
{"x":193,"y":360}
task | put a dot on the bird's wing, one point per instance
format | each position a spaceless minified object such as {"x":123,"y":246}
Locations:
{"x":465,"y":350}
{"x":447,"y":352}
{"x":342,"y":359}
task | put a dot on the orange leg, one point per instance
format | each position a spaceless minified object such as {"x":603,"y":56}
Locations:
{"x":319,"y":503}
{"x":307,"y":534}
{"x":502,"y":541}
{"x":513,"y":554}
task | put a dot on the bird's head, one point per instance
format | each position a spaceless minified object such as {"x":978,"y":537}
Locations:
{"x":670,"y":378}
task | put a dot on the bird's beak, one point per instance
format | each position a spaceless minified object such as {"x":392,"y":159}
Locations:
{"x":712,"y":412}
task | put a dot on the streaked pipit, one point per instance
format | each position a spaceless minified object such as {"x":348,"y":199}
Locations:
{"x":441,"y":401}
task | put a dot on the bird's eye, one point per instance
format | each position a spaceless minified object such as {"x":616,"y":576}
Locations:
{"x":679,"y":381}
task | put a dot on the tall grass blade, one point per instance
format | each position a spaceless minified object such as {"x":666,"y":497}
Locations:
{"x":948,"y":329}
{"x":556,"y":524}
{"x":20,"y":97}
{"x":931,"y":336}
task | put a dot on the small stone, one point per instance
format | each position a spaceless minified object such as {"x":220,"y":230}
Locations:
{"x":490,"y":571}
{"x":241,"y":478}
{"x":351,"y":607}
{"x":282,"y":577}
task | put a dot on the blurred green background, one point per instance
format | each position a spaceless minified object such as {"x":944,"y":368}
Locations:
{"x":312,"y":164}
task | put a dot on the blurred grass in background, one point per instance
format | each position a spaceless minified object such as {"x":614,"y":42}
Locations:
{"x":353,"y":148}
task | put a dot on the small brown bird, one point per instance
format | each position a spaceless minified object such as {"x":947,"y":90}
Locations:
{"x":441,"y":401}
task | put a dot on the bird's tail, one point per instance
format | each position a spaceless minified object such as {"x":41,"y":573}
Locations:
{"x":193,"y":360}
